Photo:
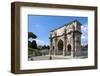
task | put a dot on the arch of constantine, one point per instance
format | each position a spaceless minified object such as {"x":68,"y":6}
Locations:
{"x":66,"y":40}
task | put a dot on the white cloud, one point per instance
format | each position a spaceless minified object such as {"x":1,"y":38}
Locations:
{"x":39,"y":42}
{"x":84,"y":36}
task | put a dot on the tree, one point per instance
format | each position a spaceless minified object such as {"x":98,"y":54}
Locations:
{"x":44,"y":47}
{"x":34,"y":44}
{"x":31,"y":35}
{"x":86,"y":46}
{"x":39,"y":47}
{"x":29,"y":43}
{"x":48,"y":47}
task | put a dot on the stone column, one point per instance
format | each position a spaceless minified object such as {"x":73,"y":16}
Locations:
{"x":73,"y":41}
{"x":72,"y":46}
{"x":64,"y":49}
{"x":55,"y":49}
{"x":50,"y":46}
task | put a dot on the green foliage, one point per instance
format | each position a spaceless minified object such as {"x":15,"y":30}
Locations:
{"x":29,"y":43}
{"x":84,"y":48}
{"x":31,"y":35}
{"x":45,"y":47}
{"x":36,"y":52}
{"x":48,"y":47}
{"x":31,"y":50}
{"x":34,"y":44}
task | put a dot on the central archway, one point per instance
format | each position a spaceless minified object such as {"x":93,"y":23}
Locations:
{"x":60,"y":47}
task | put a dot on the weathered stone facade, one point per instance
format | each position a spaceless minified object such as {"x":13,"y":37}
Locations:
{"x":66,"y":40}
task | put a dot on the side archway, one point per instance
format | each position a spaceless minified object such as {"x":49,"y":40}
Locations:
{"x":60,"y":45}
{"x":69,"y":49}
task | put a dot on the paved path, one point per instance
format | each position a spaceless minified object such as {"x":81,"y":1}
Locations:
{"x":47,"y":57}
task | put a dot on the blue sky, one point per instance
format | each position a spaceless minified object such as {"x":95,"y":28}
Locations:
{"x":41,"y":25}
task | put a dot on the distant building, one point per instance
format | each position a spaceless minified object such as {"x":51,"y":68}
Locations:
{"x":66,"y":40}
